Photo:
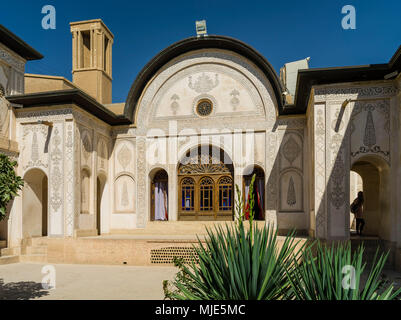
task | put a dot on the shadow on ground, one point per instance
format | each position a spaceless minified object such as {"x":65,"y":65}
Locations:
{"x":23,"y":290}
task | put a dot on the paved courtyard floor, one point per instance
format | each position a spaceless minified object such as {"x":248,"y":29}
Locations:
{"x":95,"y":282}
{"x":82,"y":282}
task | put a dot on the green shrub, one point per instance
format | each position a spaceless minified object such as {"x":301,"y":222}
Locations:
{"x":235,"y":266}
{"x":10,"y":183}
{"x":319,"y":275}
{"x":236,"y":263}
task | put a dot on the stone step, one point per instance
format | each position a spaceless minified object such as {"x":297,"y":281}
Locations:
{"x":38,"y":241}
{"x":36,"y":258}
{"x":10,"y":251}
{"x":9,"y":259}
{"x":3,"y":244}
{"x":179,"y":227}
{"x":36,"y":250}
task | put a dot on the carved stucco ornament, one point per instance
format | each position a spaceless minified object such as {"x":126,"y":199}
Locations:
{"x":291,"y":150}
{"x":3,"y":108}
{"x":369,"y":138}
{"x":202,"y":164}
{"x":175,"y":105}
{"x":234,"y":100}
{"x":291,"y":197}
{"x":87,"y":147}
{"x":203,"y":84}
{"x":337,"y":194}
{"x":124,"y":156}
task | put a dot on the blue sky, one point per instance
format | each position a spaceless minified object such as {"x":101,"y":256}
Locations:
{"x":282,"y":31}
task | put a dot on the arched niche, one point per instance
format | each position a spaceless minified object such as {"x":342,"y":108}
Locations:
{"x":291,"y":191}
{"x":124,"y":194}
{"x":210,"y":196}
{"x":377,"y":213}
{"x":102,"y":198}
{"x":158,"y":195}
{"x":259,"y":193}
{"x":35,"y":204}
{"x":85,"y":190}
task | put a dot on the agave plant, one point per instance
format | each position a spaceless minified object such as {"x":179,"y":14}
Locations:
{"x":234,"y":266}
{"x":237,"y":263}
{"x":335,"y":273}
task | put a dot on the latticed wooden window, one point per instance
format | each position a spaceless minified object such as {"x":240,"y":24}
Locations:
{"x":225,"y":193}
{"x":206,"y":194}
{"x":187,"y":194}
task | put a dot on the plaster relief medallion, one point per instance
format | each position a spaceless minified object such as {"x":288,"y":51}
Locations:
{"x":373,"y":134}
{"x":174,"y":105}
{"x":369,"y":138}
{"x":291,"y":150}
{"x":204,"y":107}
{"x":234,"y":100}
{"x":35,"y":148}
{"x":33,"y":144}
{"x":124,"y":156}
{"x":124,"y":194}
{"x":203,"y":83}
{"x":291,"y":197}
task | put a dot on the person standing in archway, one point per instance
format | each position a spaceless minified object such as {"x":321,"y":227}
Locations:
{"x":357,"y":209}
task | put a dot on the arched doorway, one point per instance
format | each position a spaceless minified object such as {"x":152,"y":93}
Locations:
{"x":100,"y":201}
{"x":374,"y":174}
{"x":159,"y":196}
{"x":34,"y":204}
{"x":205,"y":185}
{"x":258,"y":190}
{"x":355,"y":185}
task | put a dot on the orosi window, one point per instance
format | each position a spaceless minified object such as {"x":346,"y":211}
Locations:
{"x":206,"y":194}
{"x":187,"y":194}
{"x":225,"y":194}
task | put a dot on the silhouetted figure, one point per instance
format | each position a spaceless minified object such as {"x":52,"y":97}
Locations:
{"x":357,"y":209}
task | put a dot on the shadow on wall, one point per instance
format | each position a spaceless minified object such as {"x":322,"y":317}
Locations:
{"x":285,"y":185}
{"x":358,"y":134}
{"x":23,"y":290}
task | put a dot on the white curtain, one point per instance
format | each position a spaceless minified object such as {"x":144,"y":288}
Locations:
{"x":161,"y":212}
